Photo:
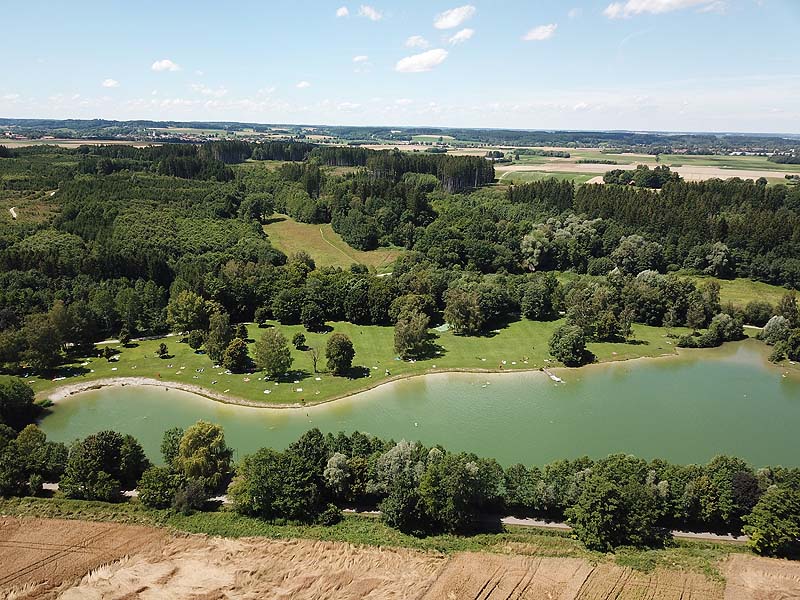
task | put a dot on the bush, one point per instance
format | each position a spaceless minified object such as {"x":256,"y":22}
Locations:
{"x":339,"y":352}
{"x":196,"y":339}
{"x":190,"y":497}
{"x":299,"y":341}
{"x":330,"y":516}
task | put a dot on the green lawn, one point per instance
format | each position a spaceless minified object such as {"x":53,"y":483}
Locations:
{"x":515,"y":344}
{"x":325,"y":246}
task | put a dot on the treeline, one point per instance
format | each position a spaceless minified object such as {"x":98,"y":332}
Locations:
{"x":616,"y":501}
{"x":455,"y":173}
{"x":785,"y":159}
{"x":642,"y":176}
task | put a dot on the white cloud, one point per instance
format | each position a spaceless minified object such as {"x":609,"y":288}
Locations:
{"x":165,"y":64}
{"x":110,"y":83}
{"x":370,"y":12}
{"x":266,"y":91}
{"x":301,"y":85}
{"x":342,"y":11}
{"x":348,"y":106}
{"x":619,"y":10}
{"x":360,"y":58}
{"x":10,"y":97}
{"x":199,"y":73}
{"x":574,"y":13}
{"x":462,"y":36}
{"x":403,"y":101}
{"x":207,"y":91}
{"x":419,"y":63}
{"x":454,"y":17}
{"x":540,"y":33}
{"x":417,"y":41}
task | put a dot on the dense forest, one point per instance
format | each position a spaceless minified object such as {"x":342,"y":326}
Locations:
{"x":139,"y":236}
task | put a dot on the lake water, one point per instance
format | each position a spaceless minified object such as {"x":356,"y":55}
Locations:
{"x":684,"y":409}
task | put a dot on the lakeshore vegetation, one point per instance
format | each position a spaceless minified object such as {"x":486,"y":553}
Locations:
{"x":616,"y":502}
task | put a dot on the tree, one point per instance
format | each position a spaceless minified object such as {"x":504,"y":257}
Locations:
{"x":124,"y":336}
{"x":339,"y":352}
{"x":272,"y":353}
{"x":774,"y":524}
{"x":463,"y":312}
{"x":157,"y":487}
{"x":299,"y":341}
{"x":42,"y":342}
{"x":608,"y":514}
{"x":163,"y":351}
{"x":337,"y":475}
{"x":219,"y":335}
{"x":16,"y":402}
{"x":568,"y":345}
{"x":236,"y":356}
{"x":411,"y":334}
{"x":271,"y":484}
{"x":196,"y":339}
{"x":101,"y":465}
{"x":788,"y":309}
{"x":312,"y":316}
{"x":203,"y":455}
{"x":314,"y":352}
{"x":186,"y":311}
{"x":240,"y":331}
{"x":170,"y":445}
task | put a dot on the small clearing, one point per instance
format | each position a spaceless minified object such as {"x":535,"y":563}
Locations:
{"x":324,"y":245}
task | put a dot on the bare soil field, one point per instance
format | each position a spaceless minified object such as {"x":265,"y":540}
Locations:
{"x":39,"y":555}
{"x":73,"y":560}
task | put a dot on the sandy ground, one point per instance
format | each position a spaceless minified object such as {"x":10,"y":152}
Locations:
{"x":693,"y":173}
{"x":42,"y":558}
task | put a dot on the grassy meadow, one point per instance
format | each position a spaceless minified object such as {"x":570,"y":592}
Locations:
{"x":520,"y":345}
{"x":324,"y":245}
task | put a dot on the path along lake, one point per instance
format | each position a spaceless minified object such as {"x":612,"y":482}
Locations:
{"x":684,"y":409}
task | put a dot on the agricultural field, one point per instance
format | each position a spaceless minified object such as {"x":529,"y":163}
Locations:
{"x":38,"y":555}
{"x":519,"y":346}
{"x":358,"y":558}
{"x":325,"y":246}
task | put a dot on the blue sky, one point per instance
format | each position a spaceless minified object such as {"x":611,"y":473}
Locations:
{"x":679,"y":65}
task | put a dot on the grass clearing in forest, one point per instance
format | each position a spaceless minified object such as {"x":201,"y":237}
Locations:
{"x":509,"y":177}
{"x":324,"y":245}
{"x":741,"y":291}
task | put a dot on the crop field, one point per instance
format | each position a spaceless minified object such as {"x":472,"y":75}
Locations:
{"x":39,"y":555}
{"x":325,"y":246}
{"x":76,"y":559}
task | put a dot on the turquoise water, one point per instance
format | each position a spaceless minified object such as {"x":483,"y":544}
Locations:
{"x":684,"y":409}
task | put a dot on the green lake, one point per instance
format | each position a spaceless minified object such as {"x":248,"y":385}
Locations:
{"x":685,"y":409}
